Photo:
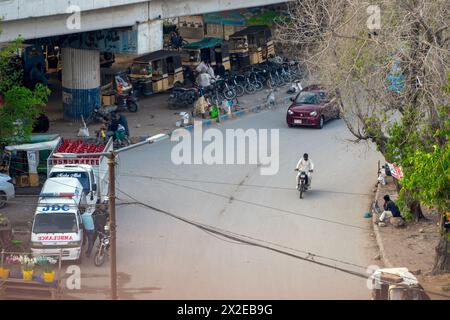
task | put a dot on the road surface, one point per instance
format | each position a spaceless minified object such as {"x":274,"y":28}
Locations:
{"x":160,"y":257}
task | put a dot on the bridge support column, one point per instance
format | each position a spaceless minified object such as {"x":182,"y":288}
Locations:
{"x":80,"y":82}
{"x":150,"y":36}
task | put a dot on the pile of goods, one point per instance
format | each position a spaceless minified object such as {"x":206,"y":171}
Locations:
{"x":79,"y":146}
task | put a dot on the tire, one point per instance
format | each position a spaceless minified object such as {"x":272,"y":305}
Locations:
{"x":258,"y":85}
{"x":229,"y":94}
{"x":240,"y":91}
{"x":3,"y":200}
{"x":80,"y":259}
{"x":270,"y":83}
{"x":290,"y":125}
{"x":321,"y":122}
{"x":99,"y":257}
{"x":301,"y":191}
{"x":250,"y":89}
{"x":132,"y":106}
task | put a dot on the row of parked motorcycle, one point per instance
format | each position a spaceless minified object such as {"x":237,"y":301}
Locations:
{"x":252,"y":79}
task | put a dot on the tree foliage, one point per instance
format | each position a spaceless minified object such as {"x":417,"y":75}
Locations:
{"x":19,"y":106}
{"x":388,"y":81}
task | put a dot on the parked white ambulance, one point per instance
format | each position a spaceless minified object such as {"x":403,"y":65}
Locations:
{"x":57,"y":224}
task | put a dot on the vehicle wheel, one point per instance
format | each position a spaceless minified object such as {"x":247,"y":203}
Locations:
{"x":270,"y":83}
{"x":229,"y":94}
{"x":42,"y":178}
{"x":250,"y":89}
{"x":80,"y":259}
{"x":321,"y":122}
{"x":240,"y":91}
{"x":132,"y":107}
{"x":258,"y":85}
{"x":290,"y":125}
{"x":2,"y":199}
{"x":99,"y":258}
{"x":301,"y":191}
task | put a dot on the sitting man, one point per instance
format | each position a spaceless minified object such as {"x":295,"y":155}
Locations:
{"x":390,"y":209}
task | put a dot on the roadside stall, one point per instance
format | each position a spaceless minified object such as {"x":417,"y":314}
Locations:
{"x":33,"y":278}
{"x":27,"y":163}
{"x":251,"y":45}
{"x":209,"y":49}
{"x":159,"y":70}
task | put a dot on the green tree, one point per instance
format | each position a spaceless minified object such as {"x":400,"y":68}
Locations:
{"x":19,"y":106}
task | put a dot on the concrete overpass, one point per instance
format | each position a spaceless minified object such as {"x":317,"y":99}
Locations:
{"x":44,"y":18}
{"x":137,"y":24}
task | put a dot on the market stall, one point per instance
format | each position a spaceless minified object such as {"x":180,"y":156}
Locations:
{"x":209,"y":49}
{"x":251,"y":45}
{"x":163,"y":68}
{"x":28,"y":162}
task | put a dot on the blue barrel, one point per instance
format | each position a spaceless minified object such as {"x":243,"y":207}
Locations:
{"x":80,"y":82}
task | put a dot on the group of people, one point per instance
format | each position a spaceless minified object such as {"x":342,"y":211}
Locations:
{"x":94,"y":225}
{"x":205,"y":76}
{"x":115,"y":126}
{"x":206,"y":73}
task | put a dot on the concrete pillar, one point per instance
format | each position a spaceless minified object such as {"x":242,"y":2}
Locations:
{"x":80,"y":82}
{"x":150,"y":36}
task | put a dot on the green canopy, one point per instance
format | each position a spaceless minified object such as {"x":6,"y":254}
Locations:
{"x":207,"y":42}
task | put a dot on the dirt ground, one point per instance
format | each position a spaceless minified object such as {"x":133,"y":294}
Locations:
{"x":413,"y":246}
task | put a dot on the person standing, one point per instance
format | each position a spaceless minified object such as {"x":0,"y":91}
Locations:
{"x":89,"y":229}
{"x":100,"y":216}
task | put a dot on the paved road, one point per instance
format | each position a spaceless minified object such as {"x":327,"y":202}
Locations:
{"x":160,"y":257}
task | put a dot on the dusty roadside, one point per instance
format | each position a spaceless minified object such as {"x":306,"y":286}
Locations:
{"x":412,"y":246}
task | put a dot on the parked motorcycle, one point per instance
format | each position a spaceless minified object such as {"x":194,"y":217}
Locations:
{"x":182,"y":97}
{"x":103,"y":247}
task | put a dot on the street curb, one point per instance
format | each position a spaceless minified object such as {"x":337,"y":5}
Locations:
{"x":225,"y":117}
{"x":376,"y":229}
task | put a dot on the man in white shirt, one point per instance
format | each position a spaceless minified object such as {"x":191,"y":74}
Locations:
{"x":201,"y":68}
{"x":204,"y":80}
{"x":210,"y":70}
{"x":306,"y":165}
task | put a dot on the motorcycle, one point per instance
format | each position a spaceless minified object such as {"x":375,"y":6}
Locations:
{"x":182,"y":97}
{"x":127,"y":102}
{"x":302,"y":186}
{"x":103,"y":247}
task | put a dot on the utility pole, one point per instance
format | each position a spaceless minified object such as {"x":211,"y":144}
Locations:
{"x":111,"y":155}
{"x":112,"y":222}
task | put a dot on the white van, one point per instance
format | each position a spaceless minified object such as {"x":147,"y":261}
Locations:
{"x":57,"y":223}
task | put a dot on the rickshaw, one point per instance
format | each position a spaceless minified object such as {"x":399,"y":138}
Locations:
{"x":396,"y":284}
{"x":210,"y":49}
{"x":117,"y":90}
{"x":156,"y":72}
{"x":252,"y":45}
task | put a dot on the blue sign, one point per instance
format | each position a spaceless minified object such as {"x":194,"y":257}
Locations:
{"x":55,"y":208}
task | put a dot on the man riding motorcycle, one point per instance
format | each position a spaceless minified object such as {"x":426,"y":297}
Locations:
{"x":305,"y":164}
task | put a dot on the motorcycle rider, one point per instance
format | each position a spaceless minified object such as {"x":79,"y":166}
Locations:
{"x":305,"y":164}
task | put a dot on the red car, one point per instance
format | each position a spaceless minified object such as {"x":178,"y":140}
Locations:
{"x":313,"y":106}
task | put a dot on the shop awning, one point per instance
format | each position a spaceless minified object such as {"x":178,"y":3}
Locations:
{"x":38,"y":146}
{"x":207,"y":42}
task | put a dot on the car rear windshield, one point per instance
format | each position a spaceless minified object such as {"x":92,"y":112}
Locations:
{"x":83,"y":177}
{"x":55,"y":223}
{"x":307,"y":98}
